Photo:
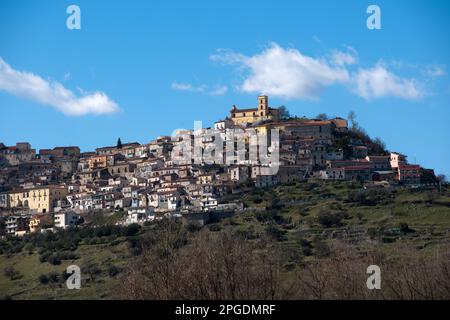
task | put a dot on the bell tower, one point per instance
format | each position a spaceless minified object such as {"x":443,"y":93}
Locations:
{"x":263,"y":105}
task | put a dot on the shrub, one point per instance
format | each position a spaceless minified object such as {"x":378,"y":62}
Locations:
{"x":275,"y":203}
{"x":113,"y":270}
{"x":388,"y":239}
{"x":276,"y":233}
{"x":257,"y":200}
{"x":54,"y":259}
{"x":132,"y":230}
{"x":305,"y":243}
{"x":43,"y":279}
{"x":404,"y":227}
{"x":328,"y":219}
{"x":93,"y":270}
{"x":44,"y":256}
{"x":53,"y":277}
{"x":307,"y":252}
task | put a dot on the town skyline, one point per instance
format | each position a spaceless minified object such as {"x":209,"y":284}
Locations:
{"x":173,"y":134}
{"x":154,"y":75}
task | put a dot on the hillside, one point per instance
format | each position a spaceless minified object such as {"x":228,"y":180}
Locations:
{"x":299,"y":224}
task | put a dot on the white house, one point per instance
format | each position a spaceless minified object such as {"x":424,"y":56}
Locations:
{"x":208,"y":203}
{"x":140,"y":215}
{"x":66,"y":219}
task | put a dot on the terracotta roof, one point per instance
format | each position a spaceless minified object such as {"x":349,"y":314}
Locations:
{"x":409,"y":166}
{"x":244,"y":110}
{"x":299,"y":123}
{"x":174,"y":192}
{"x":356,"y":162}
{"x":68,"y":147}
{"x":350,"y":168}
{"x":379,"y":157}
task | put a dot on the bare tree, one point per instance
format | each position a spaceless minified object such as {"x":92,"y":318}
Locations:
{"x":214,"y":266}
{"x":352,"y":118}
{"x":442,"y":178}
{"x":221,"y":265}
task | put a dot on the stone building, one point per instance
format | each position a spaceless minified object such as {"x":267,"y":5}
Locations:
{"x":262,"y":112}
{"x":41,"y":199}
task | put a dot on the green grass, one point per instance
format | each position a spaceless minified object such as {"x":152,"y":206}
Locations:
{"x":30,"y":268}
{"x":423,"y":211}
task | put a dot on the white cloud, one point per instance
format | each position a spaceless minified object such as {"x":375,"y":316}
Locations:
{"x":378,"y":82}
{"x":285,"y":73}
{"x":32,"y":87}
{"x":187,"y":87}
{"x":340,"y":58}
{"x":183,"y":86}
{"x":435,"y":71}
{"x":219,"y":91}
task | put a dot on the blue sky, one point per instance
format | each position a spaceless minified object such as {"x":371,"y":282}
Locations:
{"x":139,"y":69}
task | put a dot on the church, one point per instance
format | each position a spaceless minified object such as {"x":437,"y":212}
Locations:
{"x":262,"y":112}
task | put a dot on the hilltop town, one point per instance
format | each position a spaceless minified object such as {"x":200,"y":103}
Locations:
{"x":54,"y":188}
